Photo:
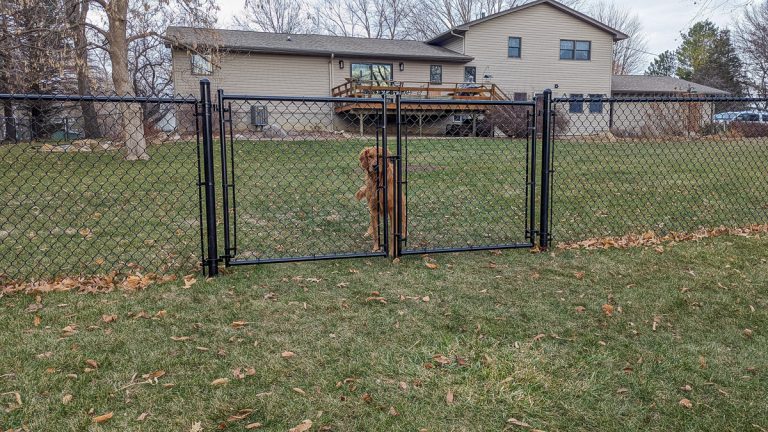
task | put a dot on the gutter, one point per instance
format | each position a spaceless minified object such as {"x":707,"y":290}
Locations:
{"x":463,"y":42}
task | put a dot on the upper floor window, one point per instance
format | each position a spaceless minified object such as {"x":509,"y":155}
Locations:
{"x":513,"y":47}
{"x":575,"y":50}
{"x":201,"y":65}
{"x":435,"y":74}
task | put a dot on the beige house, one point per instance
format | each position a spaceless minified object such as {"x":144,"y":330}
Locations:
{"x":512,"y":54}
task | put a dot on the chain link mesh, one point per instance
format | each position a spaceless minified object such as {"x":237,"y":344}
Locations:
{"x":82,"y":194}
{"x":466,"y":170}
{"x":627,"y":166}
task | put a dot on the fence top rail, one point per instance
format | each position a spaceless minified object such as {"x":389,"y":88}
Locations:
{"x":94,"y":98}
{"x":466,"y":102}
{"x":662,"y":99}
{"x":241,"y":97}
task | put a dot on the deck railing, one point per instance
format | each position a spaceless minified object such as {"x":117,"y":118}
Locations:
{"x":419,"y":90}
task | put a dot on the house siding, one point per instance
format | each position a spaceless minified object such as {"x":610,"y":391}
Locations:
{"x":541,"y":28}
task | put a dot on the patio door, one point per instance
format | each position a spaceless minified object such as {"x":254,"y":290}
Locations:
{"x":374,"y":73}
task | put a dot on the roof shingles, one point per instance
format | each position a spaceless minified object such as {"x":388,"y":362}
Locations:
{"x":307,"y":44}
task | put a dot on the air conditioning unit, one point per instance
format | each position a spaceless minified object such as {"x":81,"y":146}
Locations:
{"x":259,"y":116}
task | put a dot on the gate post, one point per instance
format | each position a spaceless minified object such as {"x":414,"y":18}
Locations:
{"x":546,"y":143}
{"x":398,"y":183}
{"x":212,"y":260}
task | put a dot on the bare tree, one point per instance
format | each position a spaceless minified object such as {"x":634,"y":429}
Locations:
{"x":117,"y":41}
{"x":751,"y":35}
{"x":274,"y":16}
{"x":77,"y":15}
{"x":629,"y":55}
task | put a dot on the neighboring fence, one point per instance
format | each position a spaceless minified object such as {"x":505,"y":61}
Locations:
{"x":658,"y":164}
{"x":244,"y":179}
{"x":72,"y":202}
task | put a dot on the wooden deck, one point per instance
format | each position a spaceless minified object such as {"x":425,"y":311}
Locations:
{"x":415,"y":90}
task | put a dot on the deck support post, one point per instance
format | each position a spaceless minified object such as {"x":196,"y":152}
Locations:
{"x":361,"y":118}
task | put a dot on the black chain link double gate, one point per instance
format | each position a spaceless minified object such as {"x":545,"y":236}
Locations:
{"x":461,"y":177}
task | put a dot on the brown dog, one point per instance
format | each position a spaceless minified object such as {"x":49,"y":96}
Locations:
{"x":370,"y":159}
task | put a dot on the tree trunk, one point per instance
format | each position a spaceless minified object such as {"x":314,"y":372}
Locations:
{"x":10,"y":122}
{"x":131,"y":113}
{"x":78,"y":13}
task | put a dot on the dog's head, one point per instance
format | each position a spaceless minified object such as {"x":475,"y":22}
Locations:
{"x":369,"y":159}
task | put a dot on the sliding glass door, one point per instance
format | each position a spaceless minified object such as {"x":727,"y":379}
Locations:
{"x":377,"y":73}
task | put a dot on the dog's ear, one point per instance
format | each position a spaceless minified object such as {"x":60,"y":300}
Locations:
{"x":364,"y":159}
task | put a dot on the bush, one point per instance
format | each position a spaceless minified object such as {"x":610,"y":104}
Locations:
{"x":748,"y":129}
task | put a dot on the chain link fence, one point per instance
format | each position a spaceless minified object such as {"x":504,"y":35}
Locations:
{"x":95,"y":184}
{"x":632,"y":165}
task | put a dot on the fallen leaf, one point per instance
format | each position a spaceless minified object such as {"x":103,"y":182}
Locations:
{"x":92,"y":363}
{"x":393,"y":412}
{"x":109,"y":318}
{"x":517,"y":422}
{"x":287,"y":354}
{"x":66,"y":399}
{"x":154,"y":375}
{"x":748,"y":332}
{"x":443,"y":360}
{"x":579,"y":275}
{"x":581,"y":309}
{"x":238,"y":373}
{"x":607,"y":309}
{"x":189,"y":280}
{"x":685,"y":403}
{"x":37,"y":321}
{"x":161,"y":314}
{"x":239,"y":324}
{"x":686,"y":388}
{"x":367,"y":398}
{"x":431,"y":265}
{"x":241,"y":415}
{"x":299,"y":391}
{"x":196,"y":427}
{"x":102,"y":418}
{"x":449,"y":397}
{"x":142,"y":416}
{"x":539,"y":337}
{"x":253,"y":425}
{"x":220,"y":381}
{"x":180,"y":338}
{"x":425,"y":299}
{"x":302,"y":427}
{"x":381,"y":300}
{"x":622,"y":390}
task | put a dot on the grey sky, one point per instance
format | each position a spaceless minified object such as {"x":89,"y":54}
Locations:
{"x":663,"y":20}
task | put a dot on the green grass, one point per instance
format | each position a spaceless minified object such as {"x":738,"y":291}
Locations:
{"x":588,"y":372}
{"x":94,"y":212}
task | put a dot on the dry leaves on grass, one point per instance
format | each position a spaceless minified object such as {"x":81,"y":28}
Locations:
{"x":90,"y":285}
{"x":651,"y":239}
{"x":220,"y":381}
{"x":103,"y":418}
{"x":431,"y":265}
{"x":287,"y":354}
{"x":449,"y":397}
{"x":685,"y":403}
{"x":302,"y":427}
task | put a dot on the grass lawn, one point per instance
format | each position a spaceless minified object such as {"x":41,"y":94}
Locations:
{"x":72,"y":213}
{"x":509,"y":328}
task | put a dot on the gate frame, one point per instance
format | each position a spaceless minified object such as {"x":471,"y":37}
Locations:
{"x":396,"y":248}
{"x":530,"y":183}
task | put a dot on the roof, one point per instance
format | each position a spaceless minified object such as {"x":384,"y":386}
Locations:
{"x":308,"y":44}
{"x":650,"y":84}
{"x":617,"y":35}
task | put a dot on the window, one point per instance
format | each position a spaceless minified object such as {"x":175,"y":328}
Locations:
{"x":575,"y":50}
{"x":576,"y":105}
{"x":435,"y":74}
{"x":596,"y":103}
{"x":374,"y":73}
{"x":513,"y":47}
{"x":201,"y":65}
{"x":748,"y":117}
{"x":470,"y":74}
{"x":520,"y":97}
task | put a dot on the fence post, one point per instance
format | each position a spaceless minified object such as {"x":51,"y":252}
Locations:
{"x":546,"y":143}
{"x":212,"y":260}
{"x":398,"y":181}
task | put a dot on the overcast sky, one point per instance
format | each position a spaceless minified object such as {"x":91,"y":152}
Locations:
{"x":663,"y":20}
